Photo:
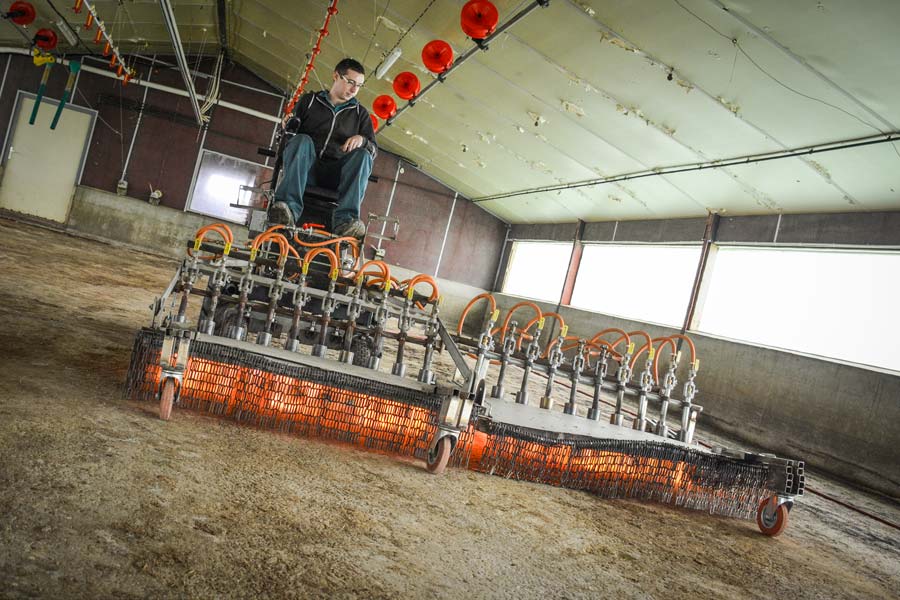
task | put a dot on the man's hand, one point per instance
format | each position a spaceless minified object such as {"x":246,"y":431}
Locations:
{"x":353,"y":142}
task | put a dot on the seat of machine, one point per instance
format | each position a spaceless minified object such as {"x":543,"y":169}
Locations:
{"x":320,"y":194}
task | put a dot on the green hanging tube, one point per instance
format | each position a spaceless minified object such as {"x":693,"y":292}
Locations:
{"x":74,"y":67}
{"x":40,"y":94}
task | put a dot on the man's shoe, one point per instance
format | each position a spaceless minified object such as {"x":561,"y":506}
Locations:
{"x":352,"y":228}
{"x":280,"y":214}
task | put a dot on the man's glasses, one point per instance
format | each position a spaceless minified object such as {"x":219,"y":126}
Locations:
{"x":350,"y":82}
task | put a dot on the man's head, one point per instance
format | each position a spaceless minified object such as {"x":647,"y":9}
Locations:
{"x":348,"y":76}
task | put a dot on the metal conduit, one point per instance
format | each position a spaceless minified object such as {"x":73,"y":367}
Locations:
{"x":172,"y":26}
{"x":155,"y":86}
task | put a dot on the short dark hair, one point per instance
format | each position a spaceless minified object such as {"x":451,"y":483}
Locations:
{"x":349,"y":63}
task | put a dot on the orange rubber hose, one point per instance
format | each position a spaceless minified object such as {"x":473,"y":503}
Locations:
{"x":690,"y":344}
{"x":509,"y":315}
{"x":412,"y":283}
{"x":663,"y":341}
{"x":462,"y":317}
{"x":329,"y":254}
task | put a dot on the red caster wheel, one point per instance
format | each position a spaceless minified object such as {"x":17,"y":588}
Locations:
{"x":772,"y":521}
{"x":439,"y":457}
{"x":166,"y":399}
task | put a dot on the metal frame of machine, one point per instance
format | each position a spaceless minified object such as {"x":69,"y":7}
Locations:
{"x":304,"y":295}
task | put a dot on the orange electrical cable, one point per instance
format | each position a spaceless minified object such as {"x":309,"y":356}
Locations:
{"x":523,"y":333}
{"x":690,"y":344}
{"x":663,"y":341}
{"x":599,"y":345}
{"x":646,"y":346}
{"x":462,"y":317}
{"x":611,"y":330}
{"x":329,"y":254}
{"x":380,"y":280}
{"x":554,"y":341}
{"x":413,"y":282}
{"x":509,"y":315}
{"x":220,"y":228}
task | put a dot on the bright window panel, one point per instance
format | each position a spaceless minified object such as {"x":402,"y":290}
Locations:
{"x":218,"y":186}
{"x":645,"y":283}
{"x":838,"y":304}
{"x":537,"y":270}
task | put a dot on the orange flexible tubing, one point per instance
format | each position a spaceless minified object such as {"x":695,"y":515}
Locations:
{"x":462,"y":317}
{"x":412,"y":283}
{"x":380,"y":280}
{"x":645,"y":346}
{"x":509,"y":315}
{"x":220,"y":228}
{"x":264,"y":237}
{"x":599,"y":345}
{"x":553,"y":342}
{"x":663,"y":341}
{"x":282,"y":242}
{"x":690,"y":344}
{"x":354,"y":244}
{"x":523,"y":333}
{"x":351,"y":240}
{"x":283,"y":245}
{"x":273,"y":228}
{"x":329,"y":254}
{"x":385,"y":270}
{"x":611,"y":330}
{"x":385,"y":273}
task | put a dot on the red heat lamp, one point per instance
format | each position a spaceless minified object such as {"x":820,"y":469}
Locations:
{"x":21,"y":13}
{"x":478,"y":19}
{"x":384,"y":106}
{"x":46,"y":39}
{"x":437,"y":56}
{"x":406,"y":85}
{"x":374,"y":122}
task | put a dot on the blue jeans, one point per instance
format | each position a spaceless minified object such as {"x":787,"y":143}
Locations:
{"x":349,"y":175}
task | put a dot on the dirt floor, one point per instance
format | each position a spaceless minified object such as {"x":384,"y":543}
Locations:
{"x":99,"y":498}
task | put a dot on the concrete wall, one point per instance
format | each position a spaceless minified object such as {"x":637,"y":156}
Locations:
{"x":840,"y":418}
{"x":136,"y":223}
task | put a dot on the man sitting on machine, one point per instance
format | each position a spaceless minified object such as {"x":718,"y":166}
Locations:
{"x":334,"y":147}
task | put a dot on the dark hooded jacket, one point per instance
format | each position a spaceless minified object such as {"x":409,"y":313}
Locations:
{"x":329,"y":126}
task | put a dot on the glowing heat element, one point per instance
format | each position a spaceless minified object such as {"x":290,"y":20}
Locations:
{"x":561,"y":465}
{"x":318,"y":410}
{"x":314,"y":408}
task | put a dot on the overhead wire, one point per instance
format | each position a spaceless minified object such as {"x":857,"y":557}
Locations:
{"x":408,"y":29}
{"x":737,"y":44}
{"x":375,"y":26}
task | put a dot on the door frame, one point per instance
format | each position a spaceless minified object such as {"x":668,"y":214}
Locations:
{"x":22,"y":95}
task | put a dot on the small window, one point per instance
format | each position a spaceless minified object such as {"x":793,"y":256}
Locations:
{"x":641,"y":282}
{"x":537,"y":270}
{"x":219,"y":184}
{"x":834,"y":303}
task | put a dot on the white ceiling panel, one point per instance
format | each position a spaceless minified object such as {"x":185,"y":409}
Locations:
{"x":591,"y":89}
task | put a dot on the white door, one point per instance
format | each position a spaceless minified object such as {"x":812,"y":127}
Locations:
{"x":43,"y":164}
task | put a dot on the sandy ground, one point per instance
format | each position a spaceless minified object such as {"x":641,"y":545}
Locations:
{"x":99,"y":498}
